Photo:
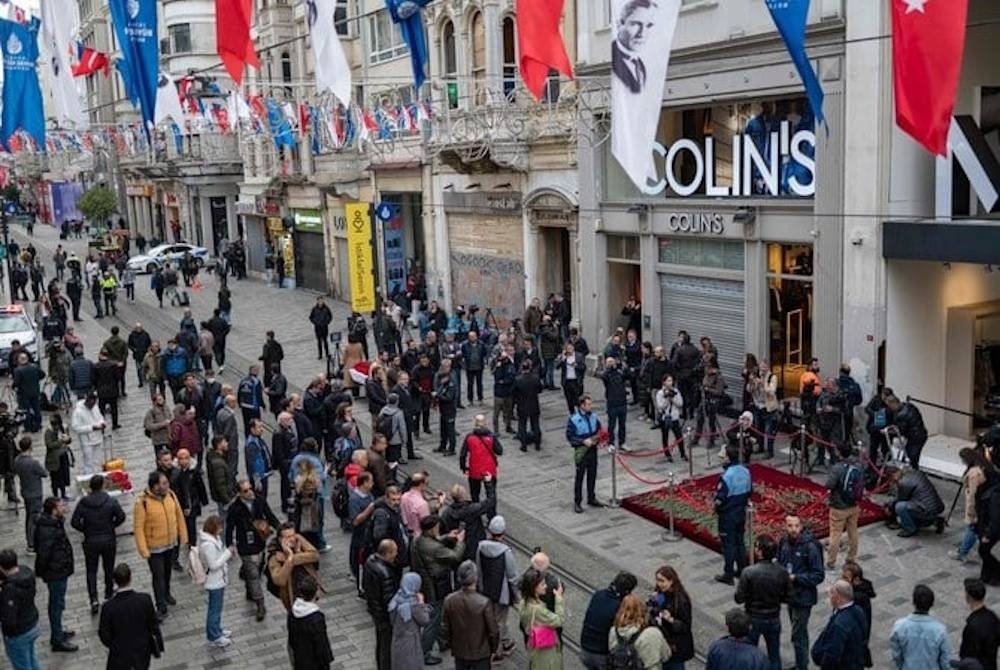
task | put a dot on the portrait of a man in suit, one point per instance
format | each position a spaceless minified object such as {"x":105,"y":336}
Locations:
{"x":634,"y":26}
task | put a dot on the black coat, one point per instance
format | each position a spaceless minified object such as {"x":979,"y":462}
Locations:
{"x":308,"y":641}
{"x":96,"y":516}
{"x":916,"y":488}
{"x":189,"y":486}
{"x":129,"y":630}
{"x":53,"y":552}
{"x":106,"y":379}
{"x":471,"y":513}
{"x":527,"y":386}
{"x":762,"y":588}
{"x":239,"y":522}
{"x":380,"y":581}
{"x":282,"y":451}
{"x":18,"y":613}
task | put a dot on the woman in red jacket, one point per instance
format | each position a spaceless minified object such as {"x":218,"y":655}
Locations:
{"x":478,"y":458}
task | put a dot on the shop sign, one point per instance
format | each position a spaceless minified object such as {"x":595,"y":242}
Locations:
{"x":275,"y":225}
{"x":266,"y":206}
{"x":308,"y":221}
{"x":139,"y":191}
{"x":697,"y":223}
{"x":338,"y":221}
{"x":498,"y":203}
{"x":246,"y":208}
{"x":361,"y":263}
{"x":971,"y":150}
{"x":762,"y":165}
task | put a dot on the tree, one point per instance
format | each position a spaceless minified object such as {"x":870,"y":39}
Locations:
{"x":11,"y":193}
{"x":97,"y":204}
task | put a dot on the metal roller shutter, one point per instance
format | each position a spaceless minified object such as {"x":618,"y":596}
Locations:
{"x":311,"y":270}
{"x":712,"y":307}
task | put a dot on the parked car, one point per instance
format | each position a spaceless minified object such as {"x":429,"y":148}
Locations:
{"x":167,"y":253}
{"x":15,"y":324}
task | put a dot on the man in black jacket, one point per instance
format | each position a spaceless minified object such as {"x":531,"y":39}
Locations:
{"x":387,"y":524}
{"x":54,"y":565}
{"x":617,"y":401}
{"x":504,"y":373}
{"x":909,"y":424}
{"x":527,"y":388}
{"x":411,"y":412}
{"x":139,"y":343}
{"x":320,"y":317}
{"x":219,"y":329}
{"x":917,"y":504}
{"x":18,"y":614}
{"x":189,"y":487}
{"x":271,"y":355}
{"x":106,"y":383}
{"x":380,"y":581}
{"x":243,"y":522}
{"x":129,"y":628}
{"x":761,"y":590}
{"x":572,"y":367}
{"x":686,"y":360}
{"x":981,"y":635}
{"x":308,"y":641}
{"x":446,"y":394}
{"x":96,"y":516}
{"x":284,"y":447}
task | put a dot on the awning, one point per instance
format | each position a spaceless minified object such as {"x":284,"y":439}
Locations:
{"x":954,"y":241}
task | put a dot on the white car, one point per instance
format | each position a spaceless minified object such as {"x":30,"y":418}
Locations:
{"x":160,"y":255}
{"x":16,"y":325}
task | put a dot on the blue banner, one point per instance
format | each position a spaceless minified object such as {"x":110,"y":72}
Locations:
{"x":790,"y":17}
{"x":135,"y":27}
{"x":22,"y":96}
{"x":395,"y":248}
{"x":407,"y":14}
{"x":281,"y":129}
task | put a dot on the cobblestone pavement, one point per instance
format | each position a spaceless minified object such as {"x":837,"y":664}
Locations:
{"x":535,"y":496}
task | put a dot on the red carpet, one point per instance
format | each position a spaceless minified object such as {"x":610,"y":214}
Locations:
{"x":775,"y":494}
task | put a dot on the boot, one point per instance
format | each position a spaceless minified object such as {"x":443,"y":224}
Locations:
{"x":261,"y":611}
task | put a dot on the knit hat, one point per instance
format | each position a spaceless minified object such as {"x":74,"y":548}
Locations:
{"x":467,"y":573}
{"x":497,"y":526}
{"x":748,"y":415}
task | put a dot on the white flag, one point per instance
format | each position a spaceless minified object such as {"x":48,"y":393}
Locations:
{"x":238,"y":108}
{"x":60,"y":24}
{"x":168,"y":100}
{"x":332,"y":71}
{"x":643,"y":32}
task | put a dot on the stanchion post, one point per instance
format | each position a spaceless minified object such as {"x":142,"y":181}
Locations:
{"x":750,"y":518}
{"x":689,"y":443}
{"x":803,"y":450}
{"x":744,"y":456}
{"x":671,"y":535}
{"x":614,"y":502}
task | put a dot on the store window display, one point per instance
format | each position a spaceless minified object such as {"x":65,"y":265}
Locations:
{"x":790,"y":311}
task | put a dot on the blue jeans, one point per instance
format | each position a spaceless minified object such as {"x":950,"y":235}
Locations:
{"x":767,"y":423}
{"x":800,"y":635}
{"x":21,"y":650}
{"x":593,"y":661}
{"x":616,"y":417}
{"x":548,"y":372}
{"x":909,"y":520}
{"x":213,"y":618}
{"x":969,"y":539}
{"x":673,"y":665}
{"x":771,"y":630}
{"x":57,"y":603}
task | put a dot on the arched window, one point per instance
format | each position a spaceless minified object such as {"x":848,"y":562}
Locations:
{"x":509,"y":57}
{"x":286,"y":67}
{"x":478,"y":31}
{"x":450,"y":61}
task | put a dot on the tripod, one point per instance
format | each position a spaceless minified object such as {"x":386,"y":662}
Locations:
{"x":333,"y":361}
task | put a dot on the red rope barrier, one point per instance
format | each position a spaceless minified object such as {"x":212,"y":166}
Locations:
{"x":637,"y":476}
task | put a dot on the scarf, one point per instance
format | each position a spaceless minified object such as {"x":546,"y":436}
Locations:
{"x":406,"y":596}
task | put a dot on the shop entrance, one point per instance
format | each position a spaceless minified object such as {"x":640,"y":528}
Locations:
{"x":986,"y":369}
{"x":220,"y":221}
{"x":790,"y":312}
{"x":554,"y":263}
{"x":624,"y":281}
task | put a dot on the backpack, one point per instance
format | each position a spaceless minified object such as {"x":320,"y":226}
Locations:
{"x":880,"y":418}
{"x":624,"y":655}
{"x":195,"y":567}
{"x":245,"y":394}
{"x":383,"y":424}
{"x":340,"y":497}
{"x":272,"y":588}
{"x":853,"y":483}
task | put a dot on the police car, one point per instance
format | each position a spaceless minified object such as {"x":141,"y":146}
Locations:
{"x":16,"y":325}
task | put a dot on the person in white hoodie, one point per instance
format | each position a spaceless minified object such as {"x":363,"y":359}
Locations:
{"x":88,"y":424}
{"x":215,"y":559}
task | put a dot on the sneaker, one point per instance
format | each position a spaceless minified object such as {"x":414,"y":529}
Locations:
{"x":221,"y":643}
{"x":624,"y":448}
{"x":954,"y":555}
{"x":171,"y":601}
{"x":227,"y":633}
{"x":723,"y":579}
{"x":326,"y":550}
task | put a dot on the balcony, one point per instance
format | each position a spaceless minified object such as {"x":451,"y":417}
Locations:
{"x":486,"y":128}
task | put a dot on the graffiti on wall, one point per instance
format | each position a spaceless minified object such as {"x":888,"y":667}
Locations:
{"x":490,"y":282}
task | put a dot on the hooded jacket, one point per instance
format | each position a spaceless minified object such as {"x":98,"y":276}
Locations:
{"x":497,"y":572}
{"x":53,"y":552}
{"x":307,"y":637}
{"x":397,"y":435}
{"x":215,"y":558}
{"x":96,"y":516}
{"x":18,"y":613}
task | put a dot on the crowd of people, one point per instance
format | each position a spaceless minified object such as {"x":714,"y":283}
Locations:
{"x":434,"y":567}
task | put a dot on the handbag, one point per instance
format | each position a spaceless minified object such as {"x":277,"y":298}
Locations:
{"x":263,"y":528}
{"x":541,"y":637}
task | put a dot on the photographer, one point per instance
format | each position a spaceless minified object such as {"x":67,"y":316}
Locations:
{"x":504,"y":373}
{"x":9,"y":426}
{"x":669,"y":405}
{"x":572,"y":368}
{"x":830,"y":408}
{"x":713,"y":393}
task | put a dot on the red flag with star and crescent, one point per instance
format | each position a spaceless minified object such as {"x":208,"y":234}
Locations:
{"x":928,"y":39}
{"x":540,"y":42}
{"x":232,"y":36}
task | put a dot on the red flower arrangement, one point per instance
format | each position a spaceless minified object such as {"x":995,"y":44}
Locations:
{"x":775,"y":494}
{"x":118,"y":480}
{"x":603,"y":437}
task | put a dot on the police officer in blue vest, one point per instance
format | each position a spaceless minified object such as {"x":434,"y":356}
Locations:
{"x":731,"y":497}
{"x":581,"y":431}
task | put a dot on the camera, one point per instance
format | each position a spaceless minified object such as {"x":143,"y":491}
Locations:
{"x":335,"y":337}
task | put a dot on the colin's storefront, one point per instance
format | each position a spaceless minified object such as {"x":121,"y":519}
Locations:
{"x":726,"y":245}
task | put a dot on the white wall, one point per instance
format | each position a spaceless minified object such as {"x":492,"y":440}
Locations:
{"x":920,"y":359}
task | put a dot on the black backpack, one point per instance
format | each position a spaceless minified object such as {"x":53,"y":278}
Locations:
{"x":340,"y":498}
{"x":624,"y":655}
{"x":383,"y":424}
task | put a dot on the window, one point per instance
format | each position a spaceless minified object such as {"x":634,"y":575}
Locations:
{"x":704,"y":253}
{"x":478,"y":30}
{"x":623,"y":247}
{"x":509,"y":58}
{"x":450,"y":61}
{"x":790,"y":310}
{"x":340,"y":18}
{"x":286,"y":67}
{"x":180,"y":38}
{"x":384,"y":41}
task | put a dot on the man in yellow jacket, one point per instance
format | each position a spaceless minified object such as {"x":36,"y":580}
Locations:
{"x":159,"y":529}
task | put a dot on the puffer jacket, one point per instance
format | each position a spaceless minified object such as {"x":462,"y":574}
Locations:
{"x":53,"y":552}
{"x":81,"y":374}
{"x":18,"y":613}
{"x":96,"y":516}
{"x":215,"y":559}
{"x":220,"y":485}
{"x":917,"y":489}
{"x":184,"y":435}
{"x":158,"y":522}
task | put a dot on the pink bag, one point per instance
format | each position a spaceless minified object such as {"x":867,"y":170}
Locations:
{"x":541,"y":637}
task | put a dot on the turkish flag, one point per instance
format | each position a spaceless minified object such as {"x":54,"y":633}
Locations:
{"x":541,"y":43}
{"x":928,"y":38}
{"x":232,"y":36}
{"x":91,"y":61}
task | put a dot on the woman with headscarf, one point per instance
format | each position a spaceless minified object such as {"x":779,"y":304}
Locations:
{"x":409,"y":616}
